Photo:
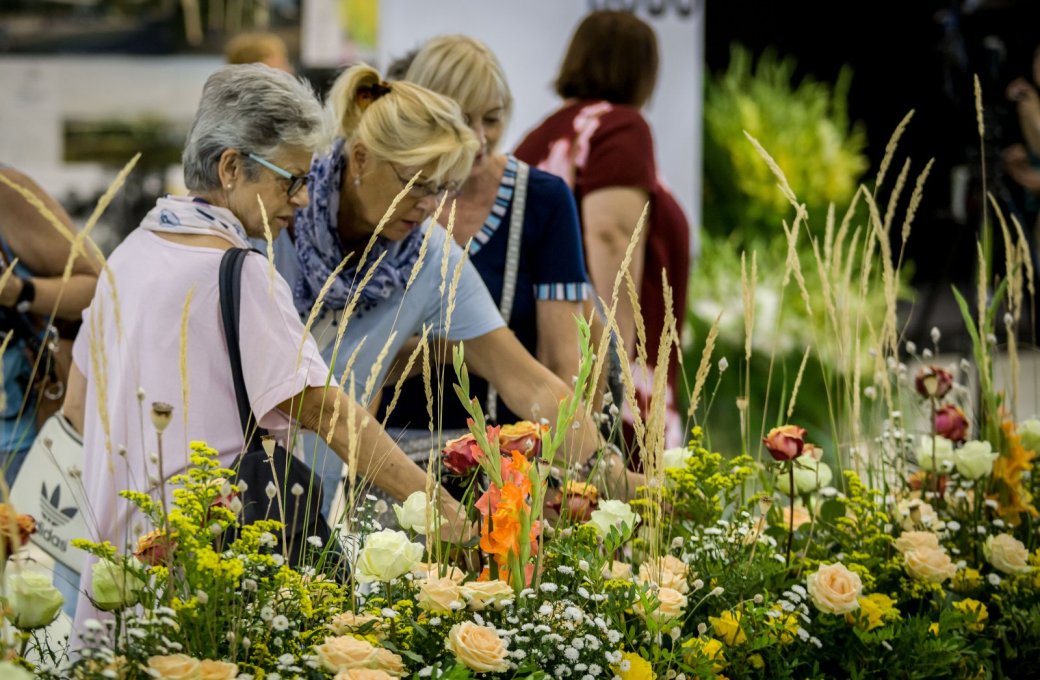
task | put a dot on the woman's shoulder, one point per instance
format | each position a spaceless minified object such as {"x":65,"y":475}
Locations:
{"x":543,"y":186}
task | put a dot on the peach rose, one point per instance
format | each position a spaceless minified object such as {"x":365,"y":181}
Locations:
{"x":478,"y":648}
{"x":481,"y":594}
{"x":670,"y":605}
{"x":801,"y":516}
{"x":345,"y":652}
{"x":916,"y":540}
{"x":15,"y":529}
{"x":388,"y":662}
{"x":462,"y":455}
{"x":619,"y":570}
{"x":155,"y":548}
{"x":437,"y":596}
{"x":785,"y":442}
{"x":1006,"y":553}
{"x":363,"y":674}
{"x":349,"y":622}
{"x":834,"y":589}
{"x":175,"y":667}
{"x":667,"y":572}
{"x":217,"y":670}
{"x":429,"y":570}
{"x":930,"y":564}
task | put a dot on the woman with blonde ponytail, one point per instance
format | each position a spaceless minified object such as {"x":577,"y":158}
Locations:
{"x":390,"y":134}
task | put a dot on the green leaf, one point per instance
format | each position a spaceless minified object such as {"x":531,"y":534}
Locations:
{"x":831,"y":510}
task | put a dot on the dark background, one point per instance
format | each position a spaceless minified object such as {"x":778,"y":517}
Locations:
{"x":910,"y":54}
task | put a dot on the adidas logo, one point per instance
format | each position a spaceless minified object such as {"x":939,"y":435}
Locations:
{"x":50,"y":507}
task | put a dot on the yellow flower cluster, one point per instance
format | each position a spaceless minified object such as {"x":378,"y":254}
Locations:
{"x":975,"y":614}
{"x":875,"y":610}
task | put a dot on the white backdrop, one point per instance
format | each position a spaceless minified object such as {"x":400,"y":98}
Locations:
{"x":530,"y":38}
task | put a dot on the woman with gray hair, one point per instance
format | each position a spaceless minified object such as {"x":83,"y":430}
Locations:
{"x":245,"y":164}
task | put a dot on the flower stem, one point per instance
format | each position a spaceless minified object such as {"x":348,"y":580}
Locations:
{"x":790,"y":532}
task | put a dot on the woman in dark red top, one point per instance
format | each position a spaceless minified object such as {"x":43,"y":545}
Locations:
{"x":600,"y":144}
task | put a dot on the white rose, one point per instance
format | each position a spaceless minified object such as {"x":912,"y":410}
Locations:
{"x":930,"y":564}
{"x":1029,"y":431}
{"x":834,"y":589}
{"x":32,"y":600}
{"x":1006,"y":553}
{"x":943,"y":453}
{"x":387,"y":554}
{"x":809,"y":475}
{"x":412,"y":515}
{"x":676,"y":457}
{"x":613,"y":514}
{"x":975,"y":459}
{"x":116,"y":586}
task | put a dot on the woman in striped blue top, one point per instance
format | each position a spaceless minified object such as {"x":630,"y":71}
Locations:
{"x":523,"y":222}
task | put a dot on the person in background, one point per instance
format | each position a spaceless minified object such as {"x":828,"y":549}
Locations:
{"x":389,"y":133}
{"x":258,"y":48}
{"x":547,"y":282}
{"x":1022,"y":161}
{"x":32,"y":294}
{"x":601,"y":145}
{"x":254,"y":134}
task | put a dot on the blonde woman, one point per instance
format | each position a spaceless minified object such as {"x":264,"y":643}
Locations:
{"x":523,"y":223}
{"x":388,"y":133}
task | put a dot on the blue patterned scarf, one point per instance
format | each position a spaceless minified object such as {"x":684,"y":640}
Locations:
{"x":320,"y":251}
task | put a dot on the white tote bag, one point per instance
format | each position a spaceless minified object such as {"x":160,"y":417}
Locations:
{"x":49,"y":488}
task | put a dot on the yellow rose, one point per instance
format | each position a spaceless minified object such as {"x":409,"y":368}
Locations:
{"x":345,"y":652}
{"x":930,"y":564}
{"x":1006,"y":553}
{"x":387,"y":554}
{"x":428,"y":570}
{"x":670,"y":605}
{"x":388,"y":662}
{"x":916,"y":540}
{"x":217,"y":670}
{"x":667,"y":572}
{"x":438,"y":595}
{"x":478,"y":648}
{"x":363,"y":674}
{"x":634,"y":667}
{"x":175,"y":667}
{"x":834,"y":589}
{"x":975,"y":614}
{"x":615,"y":569}
{"x":727,"y":628}
{"x":349,"y":622}
{"x":481,"y":594}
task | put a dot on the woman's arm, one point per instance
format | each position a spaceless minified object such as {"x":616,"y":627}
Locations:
{"x":38,"y":245}
{"x":558,"y":348}
{"x":378,"y":458}
{"x":610,"y":216}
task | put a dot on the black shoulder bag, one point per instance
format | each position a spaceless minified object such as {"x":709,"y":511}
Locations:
{"x":300,"y":513}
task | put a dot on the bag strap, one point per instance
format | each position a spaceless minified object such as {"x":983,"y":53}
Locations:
{"x":230,"y":301}
{"x":516,"y":231}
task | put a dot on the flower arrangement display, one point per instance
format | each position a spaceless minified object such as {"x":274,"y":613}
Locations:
{"x":909,"y":548}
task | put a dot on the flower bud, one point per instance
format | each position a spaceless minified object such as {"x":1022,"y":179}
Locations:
{"x":162,"y":414}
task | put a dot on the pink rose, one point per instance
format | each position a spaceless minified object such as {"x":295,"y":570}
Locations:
{"x":462,"y":455}
{"x":786,"y":442}
{"x":950,"y":422}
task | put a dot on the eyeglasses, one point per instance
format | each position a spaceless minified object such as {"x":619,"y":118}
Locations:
{"x":421,"y":190}
{"x":295,"y":182}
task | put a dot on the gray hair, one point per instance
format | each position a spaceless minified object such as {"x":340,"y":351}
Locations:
{"x":255,"y":109}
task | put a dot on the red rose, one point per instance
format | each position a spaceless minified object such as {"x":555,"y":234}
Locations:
{"x":462,"y":455}
{"x":786,"y":442}
{"x":950,"y":422}
{"x":932,"y":381}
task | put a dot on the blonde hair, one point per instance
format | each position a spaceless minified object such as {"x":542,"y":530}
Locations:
{"x":464,"y":69}
{"x":403,"y":123}
{"x":249,"y":48}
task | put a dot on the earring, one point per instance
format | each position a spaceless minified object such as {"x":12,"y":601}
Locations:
{"x":357,"y":180}
{"x":229,"y":186}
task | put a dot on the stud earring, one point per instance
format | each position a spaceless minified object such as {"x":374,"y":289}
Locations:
{"x":229,"y":186}
{"x":357,"y":180}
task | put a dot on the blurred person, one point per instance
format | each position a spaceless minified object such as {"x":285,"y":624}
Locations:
{"x":1022,"y":161}
{"x":254,"y":134}
{"x":389,"y":132}
{"x":27,"y":300}
{"x":258,"y":48}
{"x":601,"y":145}
{"x":547,"y":280}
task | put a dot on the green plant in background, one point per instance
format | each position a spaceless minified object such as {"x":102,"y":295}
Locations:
{"x":806,"y":128}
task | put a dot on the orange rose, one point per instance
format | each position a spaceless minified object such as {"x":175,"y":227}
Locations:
{"x":786,"y":442}
{"x":524,"y":437}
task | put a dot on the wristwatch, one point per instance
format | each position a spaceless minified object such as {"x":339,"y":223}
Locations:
{"x":25,"y":296}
